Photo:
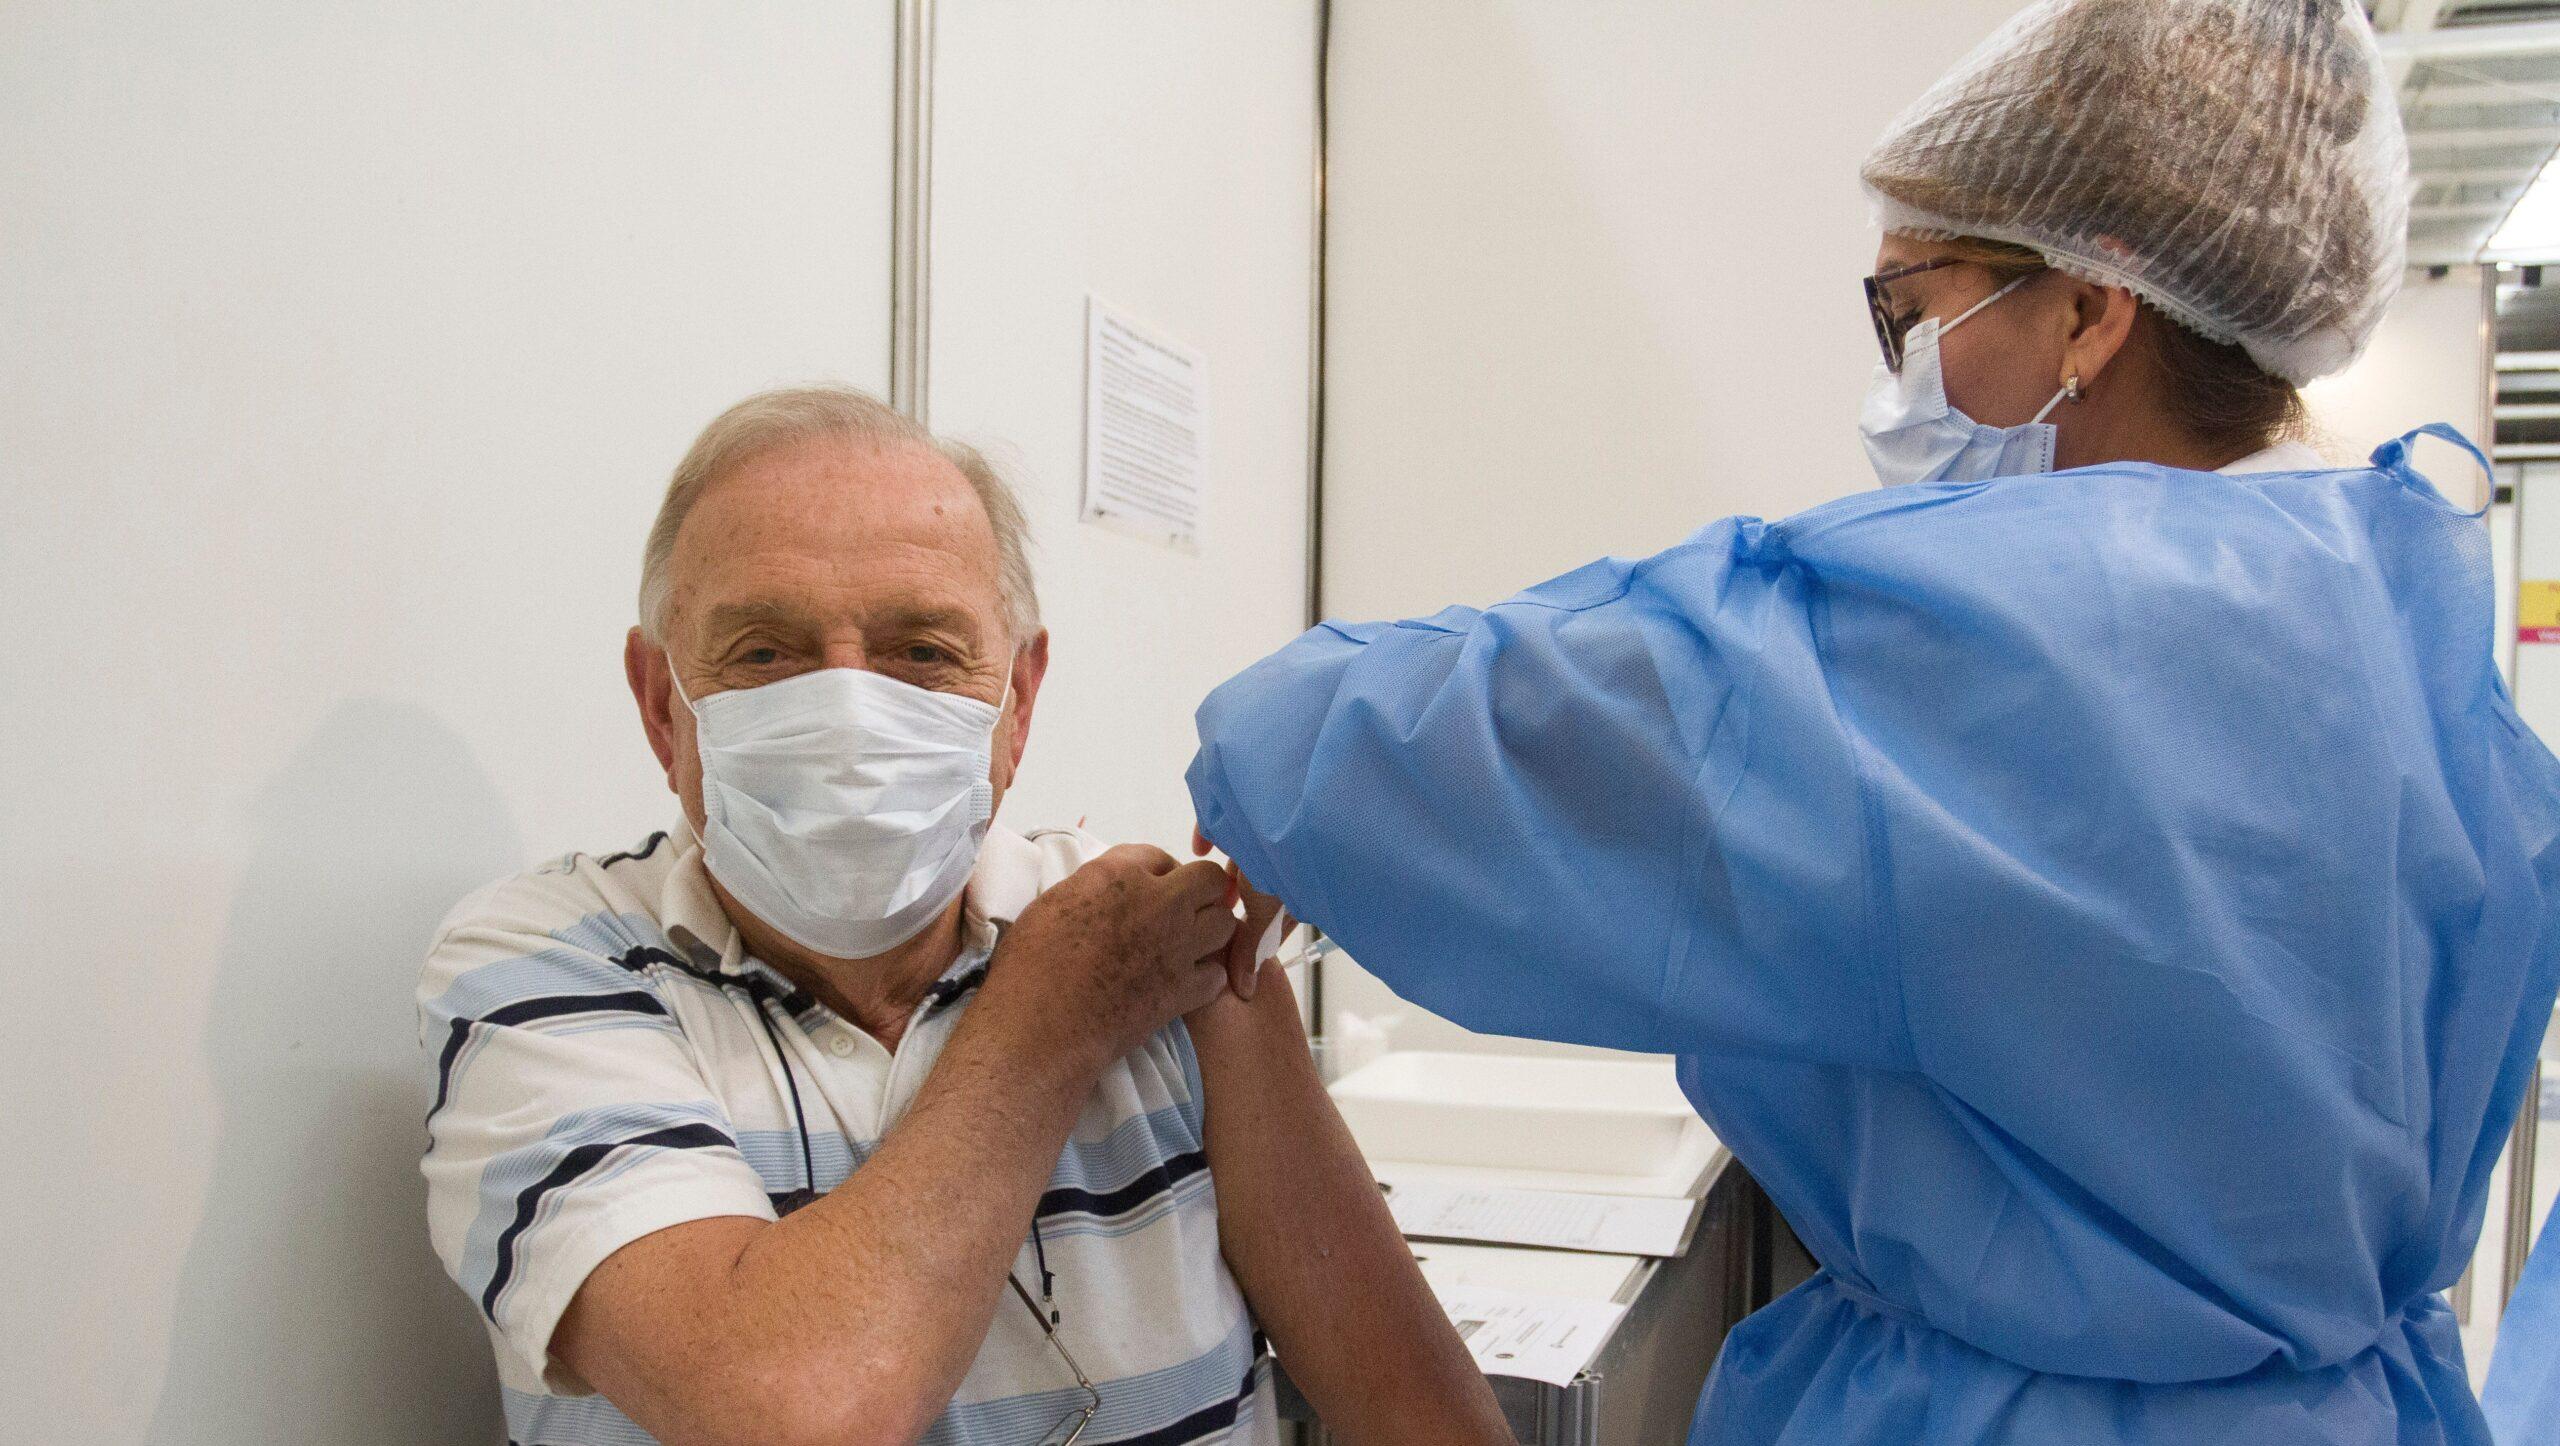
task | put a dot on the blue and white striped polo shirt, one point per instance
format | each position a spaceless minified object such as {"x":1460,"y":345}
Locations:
{"x":599,"y":1074}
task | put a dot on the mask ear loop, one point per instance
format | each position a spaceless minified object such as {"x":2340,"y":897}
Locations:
{"x":2070,"y":389}
{"x":2070,"y":393}
{"x":1967,"y":314}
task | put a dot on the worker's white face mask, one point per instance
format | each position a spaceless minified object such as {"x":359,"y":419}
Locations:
{"x":844,"y":808}
{"x":1914,"y":434}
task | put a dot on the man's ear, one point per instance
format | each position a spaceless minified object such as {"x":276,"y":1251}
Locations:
{"x":2103,"y":318}
{"x":644,"y":666}
{"x":1030,"y":666}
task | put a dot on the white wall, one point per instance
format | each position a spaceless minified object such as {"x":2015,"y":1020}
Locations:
{"x":347,"y":347}
{"x":1594,"y":276}
{"x":2427,"y":363}
{"x":1161,"y":153}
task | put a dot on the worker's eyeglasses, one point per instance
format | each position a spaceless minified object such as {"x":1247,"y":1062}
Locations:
{"x":1894,"y":319}
{"x":1071,"y":1426}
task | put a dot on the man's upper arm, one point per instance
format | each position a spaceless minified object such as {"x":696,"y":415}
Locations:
{"x":1313,"y":1245}
{"x":569,"y":1119}
{"x":1272,"y":1127}
{"x":642,"y":1310}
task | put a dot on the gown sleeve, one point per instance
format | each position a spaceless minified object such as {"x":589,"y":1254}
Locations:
{"x":1617,"y":809}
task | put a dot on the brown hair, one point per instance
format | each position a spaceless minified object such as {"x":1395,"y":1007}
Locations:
{"x":2214,"y":389}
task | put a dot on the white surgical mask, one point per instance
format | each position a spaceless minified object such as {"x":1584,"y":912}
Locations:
{"x":843,"y":807}
{"x":1914,"y":434}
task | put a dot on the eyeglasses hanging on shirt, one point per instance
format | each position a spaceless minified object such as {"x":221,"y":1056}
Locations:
{"x":1071,"y":1426}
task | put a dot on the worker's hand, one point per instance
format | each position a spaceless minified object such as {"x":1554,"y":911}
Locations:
{"x":1258,"y":938}
{"x":1114,"y":952}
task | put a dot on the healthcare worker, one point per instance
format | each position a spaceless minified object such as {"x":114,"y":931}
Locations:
{"x":2110,"y":909}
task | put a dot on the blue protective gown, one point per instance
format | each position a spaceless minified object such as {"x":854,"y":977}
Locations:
{"x":2111,"y":913}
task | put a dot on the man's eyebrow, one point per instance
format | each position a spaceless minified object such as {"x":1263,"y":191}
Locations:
{"x":929,"y":616}
{"x":723,"y":619}
{"x":731,"y":616}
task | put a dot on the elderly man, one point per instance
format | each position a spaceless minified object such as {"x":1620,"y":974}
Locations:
{"x":837,"y":1115}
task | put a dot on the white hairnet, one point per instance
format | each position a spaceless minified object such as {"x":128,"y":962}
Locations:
{"x":2237,"y":163}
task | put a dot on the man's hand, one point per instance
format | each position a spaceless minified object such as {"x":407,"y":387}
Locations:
{"x":1245,"y":954}
{"x":1117,"y":950}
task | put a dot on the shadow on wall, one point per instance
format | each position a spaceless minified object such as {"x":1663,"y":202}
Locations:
{"x":309,"y":1306}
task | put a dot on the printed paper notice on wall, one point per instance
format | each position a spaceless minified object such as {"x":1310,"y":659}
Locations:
{"x":2538,"y":612}
{"x":1146,"y":404}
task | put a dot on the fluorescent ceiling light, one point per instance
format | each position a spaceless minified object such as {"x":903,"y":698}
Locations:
{"x":2532,"y":229}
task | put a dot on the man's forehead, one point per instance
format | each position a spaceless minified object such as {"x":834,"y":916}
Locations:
{"x":863,"y":485}
{"x":831,"y":514}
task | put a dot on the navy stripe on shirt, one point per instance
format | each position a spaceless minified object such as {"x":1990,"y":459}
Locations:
{"x":1150,"y":1183}
{"x":572,"y":1165}
{"x":525,"y":1011}
{"x":1205,"y":1422}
